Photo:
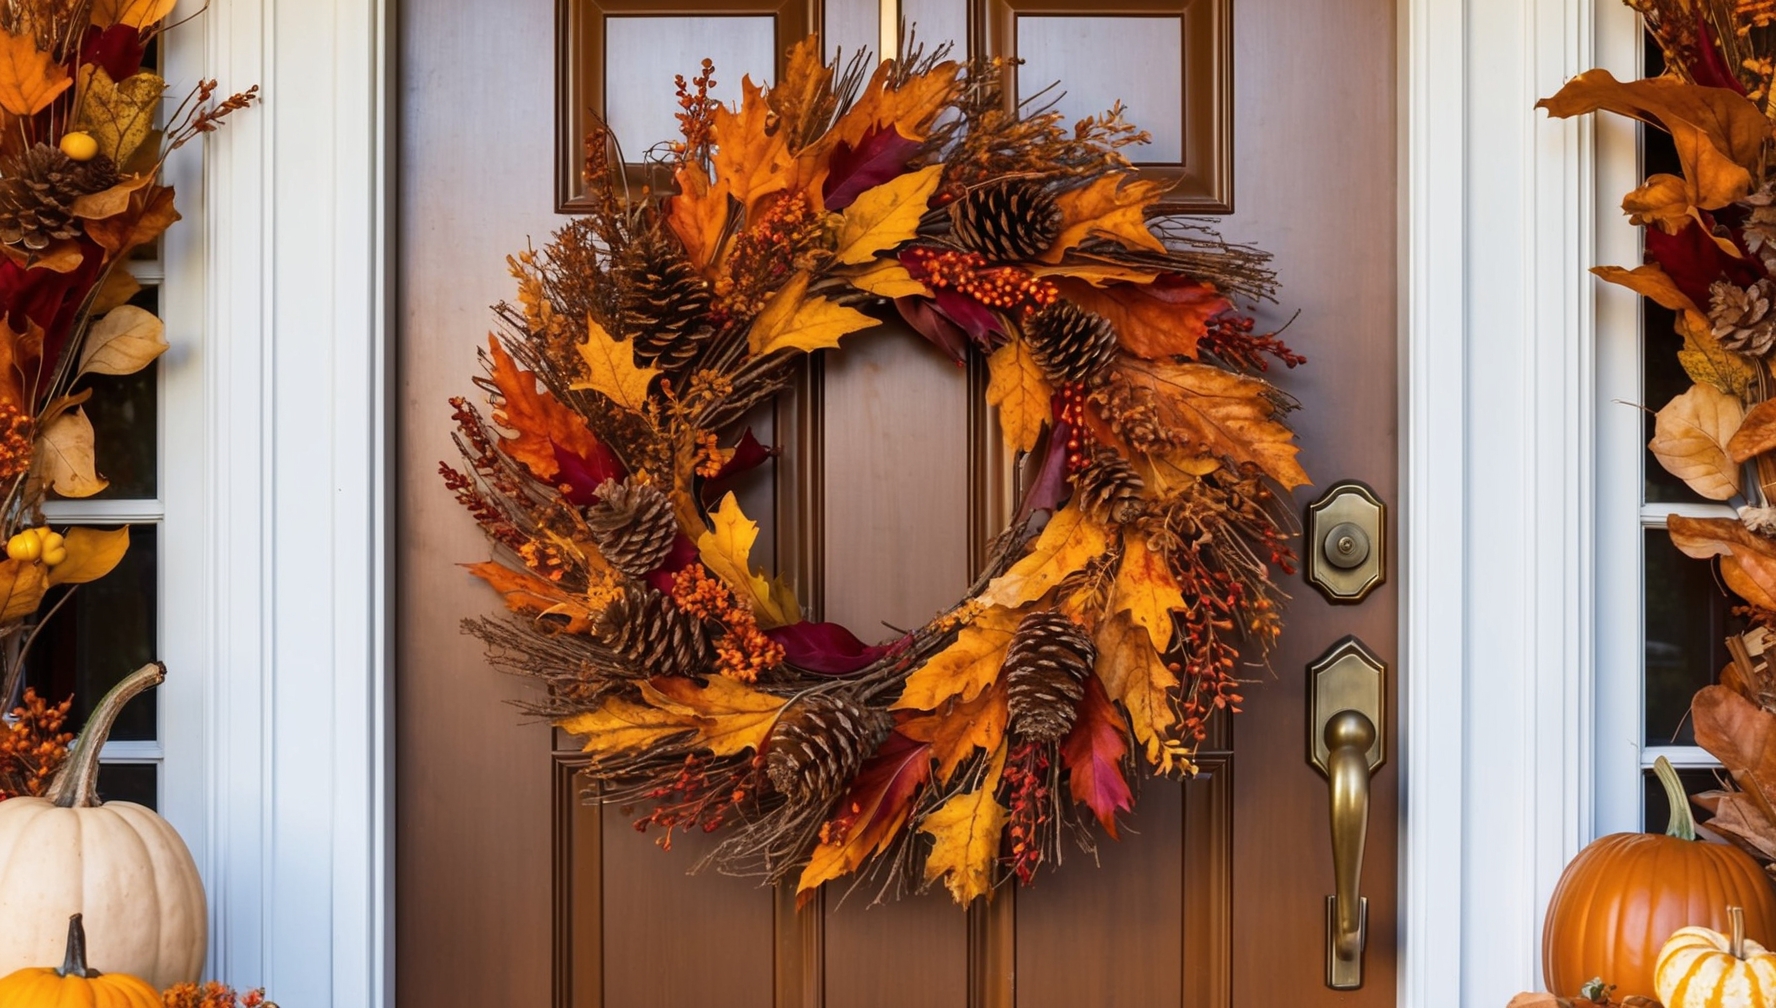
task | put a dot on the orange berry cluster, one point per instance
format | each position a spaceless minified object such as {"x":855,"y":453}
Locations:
{"x":15,"y":441}
{"x":1002,"y":287}
{"x":213,"y":995}
{"x":33,"y":747}
{"x":743,"y":650}
{"x":710,"y":457}
{"x":693,"y":799}
{"x":1079,"y":438}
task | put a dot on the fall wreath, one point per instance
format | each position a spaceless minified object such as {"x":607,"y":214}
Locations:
{"x":1112,"y":618}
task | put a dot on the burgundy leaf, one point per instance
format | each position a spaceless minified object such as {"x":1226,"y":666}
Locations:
{"x":922,"y":315}
{"x":579,"y":477}
{"x":1709,"y":68}
{"x":1093,"y":752}
{"x":748,"y":454}
{"x":879,"y":156}
{"x":1049,"y":487}
{"x":825,"y":648}
{"x":117,"y":50}
{"x":682,"y":555}
{"x":981,"y":325}
{"x":1693,"y":261}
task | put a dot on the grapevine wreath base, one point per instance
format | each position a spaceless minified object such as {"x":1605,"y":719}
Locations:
{"x":1113,"y":617}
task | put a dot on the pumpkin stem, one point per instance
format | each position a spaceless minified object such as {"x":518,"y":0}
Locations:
{"x":77,"y":783}
{"x":1736,"y":917}
{"x":74,"y":961}
{"x":1681,"y":824}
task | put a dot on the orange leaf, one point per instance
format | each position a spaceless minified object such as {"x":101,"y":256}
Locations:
{"x":1650,"y":281}
{"x":961,"y":727}
{"x":871,"y":813}
{"x":1107,"y":208}
{"x":1069,"y":540}
{"x":29,"y":78}
{"x":542,"y":424}
{"x":1748,"y":560}
{"x":1756,"y":433}
{"x":527,"y":592}
{"x":1164,"y":318}
{"x":698,"y":214}
{"x":22,"y":584}
{"x":1691,"y":438}
{"x":1093,"y":752}
{"x":730,"y":716}
{"x":1665,"y":200}
{"x":806,"y":80}
{"x":1220,"y":412}
{"x":751,"y":151}
{"x":1134,"y":675}
{"x":910,"y":108}
{"x":151,"y":212}
{"x":1145,"y":590}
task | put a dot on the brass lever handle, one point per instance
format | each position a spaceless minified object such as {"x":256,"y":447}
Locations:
{"x":1349,"y":734}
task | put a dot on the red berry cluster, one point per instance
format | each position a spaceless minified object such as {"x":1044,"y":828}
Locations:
{"x":694,"y":799}
{"x":1002,"y":287}
{"x":1027,"y":778}
{"x":1230,"y":338}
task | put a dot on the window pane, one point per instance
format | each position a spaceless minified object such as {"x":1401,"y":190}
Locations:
{"x":1095,"y":61}
{"x":642,"y":53}
{"x":131,"y":782}
{"x":101,"y":634}
{"x":124,"y":410}
{"x":1687,"y":624}
{"x":1658,"y":810}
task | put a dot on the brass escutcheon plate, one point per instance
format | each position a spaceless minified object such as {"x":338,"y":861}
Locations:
{"x":1346,"y":543}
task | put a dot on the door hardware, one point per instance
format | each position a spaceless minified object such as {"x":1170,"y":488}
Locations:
{"x":1347,"y":717}
{"x":1346,"y":542}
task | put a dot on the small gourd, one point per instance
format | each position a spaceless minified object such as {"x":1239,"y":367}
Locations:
{"x":74,"y":985}
{"x":1702,"y":968}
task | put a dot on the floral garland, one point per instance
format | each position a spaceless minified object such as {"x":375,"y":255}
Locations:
{"x":1112,"y":618}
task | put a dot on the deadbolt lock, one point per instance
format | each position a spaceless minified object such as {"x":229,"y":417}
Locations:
{"x":1346,"y":542}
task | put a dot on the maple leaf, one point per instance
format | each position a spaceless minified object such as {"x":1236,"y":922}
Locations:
{"x":1748,"y":560}
{"x":806,"y":84}
{"x":611,"y":370}
{"x":751,"y":152}
{"x":960,"y":727}
{"x":1223,"y":413}
{"x":1161,"y":319}
{"x":540,"y":422}
{"x":872,"y":812}
{"x":1692,"y":434}
{"x":619,"y":725}
{"x":1016,"y":385}
{"x":792,"y":320}
{"x":1145,"y":589}
{"x":22,"y":584}
{"x":1134,"y":675}
{"x":910,"y":109}
{"x":1067,"y":542}
{"x":1093,"y":752}
{"x":63,"y":458}
{"x":1751,"y":433}
{"x":29,"y":78}
{"x":118,"y":114}
{"x":92,"y":554}
{"x":969,"y":665}
{"x":1111,"y":206}
{"x":730,"y":716}
{"x":967,"y":830}
{"x":698,"y":215}
{"x":1649,"y":280}
{"x":886,"y":278}
{"x":886,"y":216}
{"x":726,"y":549}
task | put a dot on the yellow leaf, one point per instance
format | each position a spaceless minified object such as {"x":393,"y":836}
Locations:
{"x":885,"y":216}
{"x":1649,"y":281}
{"x":959,"y":727}
{"x":123,"y":342}
{"x":1145,"y":590}
{"x":911,"y":108}
{"x":1107,"y":208}
{"x":1134,"y":675}
{"x":792,"y":320}
{"x":1220,"y":413}
{"x":1098,"y":274}
{"x":92,"y":553}
{"x":1706,"y":361}
{"x":611,"y":370}
{"x":1665,"y":200}
{"x":64,"y":456}
{"x":730,"y":717}
{"x":1065,"y":545}
{"x":967,"y":829}
{"x":621,"y":726}
{"x":1690,"y":436}
{"x":887,"y":278}
{"x":29,"y":78}
{"x":698,"y":215}
{"x":22,"y":584}
{"x":750,"y":152}
{"x":965,"y":668}
{"x":726,"y":549}
{"x":1016,"y":385}
{"x":118,"y":114}
{"x":135,"y":13}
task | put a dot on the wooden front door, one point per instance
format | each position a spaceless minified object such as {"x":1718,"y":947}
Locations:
{"x":511,"y":893}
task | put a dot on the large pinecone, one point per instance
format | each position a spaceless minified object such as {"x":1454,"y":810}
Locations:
{"x":819,"y":742}
{"x":1108,"y":488}
{"x":1007,"y":221}
{"x":659,"y":638}
{"x":38,"y":191}
{"x":1742,"y":318}
{"x":633,"y":525}
{"x":1069,"y":343}
{"x":1045,"y":669}
{"x":663,"y":300}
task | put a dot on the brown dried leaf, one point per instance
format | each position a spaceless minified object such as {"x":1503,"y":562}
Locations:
{"x":22,"y":584}
{"x":1690,"y":438}
{"x":1755,"y":435}
{"x":1221,"y":413}
{"x":151,"y":212}
{"x":134,"y":13}
{"x":124,"y":341}
{"x":118,"y":114}
{"x":1706,"y":361}
{"x":1743,"y":737}
{"x":1738,"y":818}
{"x":1748,"y":560}
{"x":1650,"y":281}
{"x":1163,"y":318}
{"x":64,"y":456}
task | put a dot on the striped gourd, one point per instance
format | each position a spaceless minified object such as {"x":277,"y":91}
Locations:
{"x":1702,"y":968}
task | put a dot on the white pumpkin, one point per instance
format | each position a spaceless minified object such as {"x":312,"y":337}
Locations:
{"x":120,"y":866}
{"x":1701,"y":968}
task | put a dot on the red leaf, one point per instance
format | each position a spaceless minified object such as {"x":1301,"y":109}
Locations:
{"x":580,"y":475}
{"x":1049,"y":487}
{"x":1693,"y":261}
{"x":1161,"y":319}
{"x":974,"y":318}
{"x":1709,"y":68}
{"x":117,"y":49}
{"x":921,"y":314}
{"x":748,"y":454}
{"x":825,"y":648}
{"x":682,"y":555}
{"x":872,"y":813}
{"x":1093,"y":752}
{"x":880,"y":155}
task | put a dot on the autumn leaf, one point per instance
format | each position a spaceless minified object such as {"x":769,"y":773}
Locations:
{"x":92,"y":554}
{"x":109,"y":202}
{"x":886,"y":278}
{"x":1742,"y":736}
{"x":1667,"y":201}
{"x":526,"y":592}
{"x":1093,"y":753}
{"x":726,"y":549}
{"x":1690,"y":436}
{"x":911,"y":108}
{"x":22,"y":584}
{"x":967,"y":830}
{"x":1145,"y":589}
{"x":1735,"y":816}
{"x":1156,"y":320}
{"x":1748,"y":560}
{"x":1649,"y":280}
{"x":611,"y":370}
{"x":958,"y":727}
{"x":885,"y":216}
{"x":118,"y":114}
{"x":792,"y":320}
{"x":969,"y":665}
{"x":730,"y":716}
{"x":1134,"y":675}
{"x":151,"y":212}
{"x":1016,"y":385}
{"x":698,"y":215}
{"x":1111,"y":206}
{"x":619,"y":725}
{"x":750,"y":153}
{"x":29,"y":78}
{"x":134,"y":13}
{"x":115,"y":291}
{"x":1753,"y":436}
{"x":1220,"y":412}
{"x":1067,"y":542}
{"x":796,"y":97}
{"x":540,"y":422}
{"x":1096,"y":272}
{"x":64,"y":456}
{"x":1706,"y":361}
{"x":124,"y":341}
{"x":871,"y":813}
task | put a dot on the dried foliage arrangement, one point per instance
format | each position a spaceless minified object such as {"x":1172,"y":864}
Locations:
{"x":1111,"y":620}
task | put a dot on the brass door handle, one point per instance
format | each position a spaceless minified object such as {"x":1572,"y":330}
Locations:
{"x":1349,"y":734}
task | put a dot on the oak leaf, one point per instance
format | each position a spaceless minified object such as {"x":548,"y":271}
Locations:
{"x":1093,"y":753}
{"x":959,"y":727}
{"x":1748,"y":560}
{"x":1068,"y":541}
{"x":1111,"y":206}
{"x":911,"y":108}
{"x":92,"y":554}
{"x":887,"y":278}
{"x":1134,"y":675}
{"x":1164,"y":318}
{"x":1221,"y":413}
{"x":871,"y":813}
{"x":794,"y":320}
{"x":22,"y":584}
{"x":799,"y":95}
{"x":726,"y":549}
{"x":730,"y":717}
{"x":118,"y":114}
{"x":620,"y":725}
{"x":64,"y":456}
{"x":611,"y":370}
{"x":540,"y":422}
{"x":1145,"y":589}
{"x":967,"y":830}
{"x":1649,"y":280}
{"x":1690,"y":438}
{"x":698,"y":215}
{"x":1753,"y":435}
{"x":151,"y":212}
{"x":126,"y":340}
{"x":750,"y":152}
{"x":134,"y":13}
{"x":29,"y":78}
{"x":969,"y":665}
{"x":1017,"y":386}
{"x":885,"y":216}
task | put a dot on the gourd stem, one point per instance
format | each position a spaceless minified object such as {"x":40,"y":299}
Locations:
{"x":74,"y":960}
{"x":77,"y":783}
{"x":1736,"y":916}
{"x":1682,"y":824}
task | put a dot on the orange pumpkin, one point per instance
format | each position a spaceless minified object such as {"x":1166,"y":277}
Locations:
{"x":74,"y":985}
{"x":1626,"y":893}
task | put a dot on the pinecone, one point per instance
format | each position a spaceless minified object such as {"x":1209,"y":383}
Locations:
{"x":659,"y":638}
{"x":1007,"y":221}
{"x":1069,"y":343}
{"x":633,"y":525}
{"x":38,"y":190}
{"x":1045,"y":670}
{"x":1742,"y":318}
{"x":1108,"y":488}
{"x":662,"y":300}
{"x":819,"y":742}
